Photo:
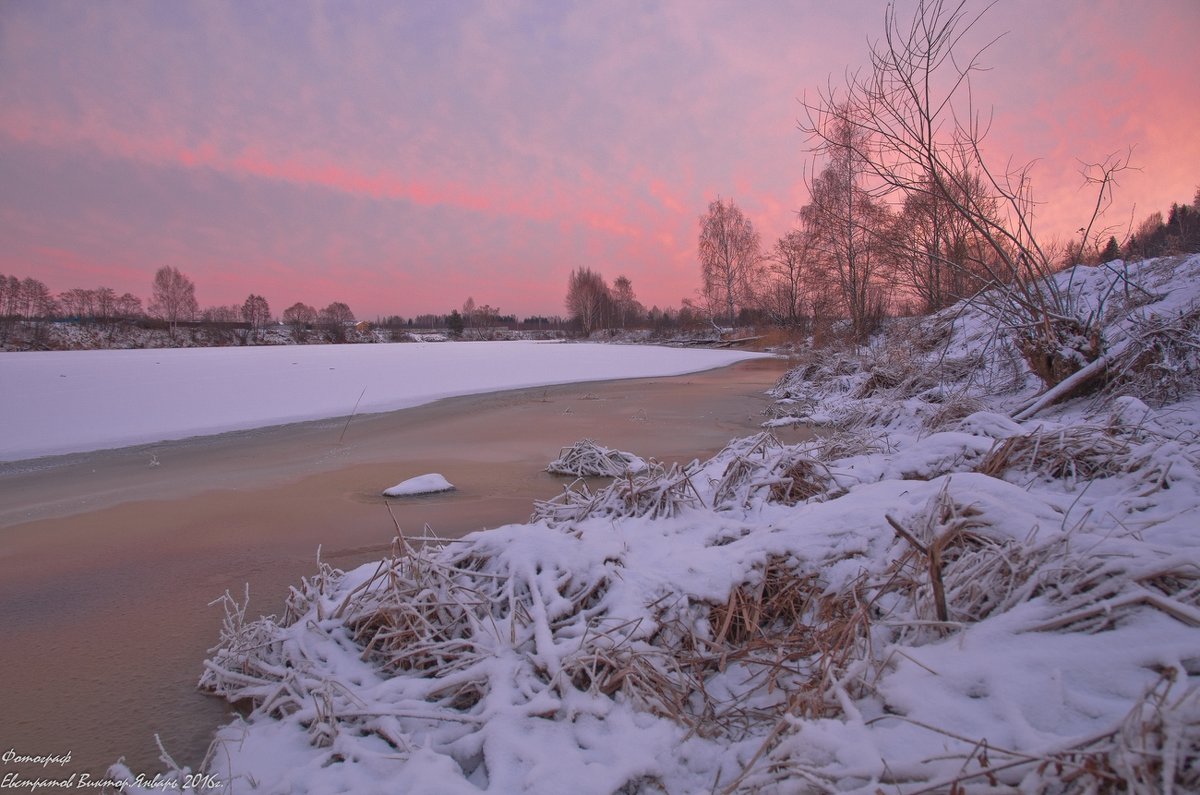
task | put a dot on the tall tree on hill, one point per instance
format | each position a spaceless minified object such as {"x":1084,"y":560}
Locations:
{"x":128,"y":306}
{"x":78,"y":303}
{"x":106,"y":303}
{"x":729,"y":257}
{"x":173,"y":297}
{"x":34,"y":299}
{"x":38,"y":306}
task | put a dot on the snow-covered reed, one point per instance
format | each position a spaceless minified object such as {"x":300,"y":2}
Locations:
{"x":586,"y":459}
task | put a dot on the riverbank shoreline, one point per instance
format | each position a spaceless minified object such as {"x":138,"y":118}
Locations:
{"x":111,"y":558}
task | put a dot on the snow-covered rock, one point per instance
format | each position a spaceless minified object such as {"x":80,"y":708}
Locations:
{"x":421,"y":484}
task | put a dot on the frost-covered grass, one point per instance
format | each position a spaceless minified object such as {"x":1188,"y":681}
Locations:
{"x":73,"y":401}
{"x":929,"y":597}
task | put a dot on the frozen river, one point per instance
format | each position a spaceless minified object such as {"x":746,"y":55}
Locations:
{"x":75,"y":401}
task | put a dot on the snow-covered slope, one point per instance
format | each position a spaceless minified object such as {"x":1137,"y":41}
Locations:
{"x":930,"y":597}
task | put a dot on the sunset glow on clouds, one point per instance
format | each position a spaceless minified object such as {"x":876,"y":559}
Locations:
{"x":402,"y":156}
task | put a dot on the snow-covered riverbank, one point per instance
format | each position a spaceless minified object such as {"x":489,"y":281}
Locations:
{"x":930,"y":597}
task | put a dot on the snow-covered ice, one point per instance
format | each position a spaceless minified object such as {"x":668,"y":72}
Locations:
{"x":431,"y":483}
{"x":74,"y":401}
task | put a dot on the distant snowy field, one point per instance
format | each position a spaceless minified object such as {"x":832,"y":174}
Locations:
{"x":75,"y":401}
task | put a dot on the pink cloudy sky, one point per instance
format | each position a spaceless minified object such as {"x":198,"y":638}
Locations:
{"x":402,"y":156}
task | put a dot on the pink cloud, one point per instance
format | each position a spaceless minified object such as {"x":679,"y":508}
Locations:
{"x":413,"y":155}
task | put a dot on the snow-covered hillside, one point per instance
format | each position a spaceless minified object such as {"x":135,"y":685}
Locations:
{"x":931,"y":596}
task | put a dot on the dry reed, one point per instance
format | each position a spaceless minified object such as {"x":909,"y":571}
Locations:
{"x":658,"y":492}
{"x":1078,"y":452}
{"x":782,"y":645}
{"x":760,"y":468}
{"x":1161,"y":363}
{"x":585,"y":458}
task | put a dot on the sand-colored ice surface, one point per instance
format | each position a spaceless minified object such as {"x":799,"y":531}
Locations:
{"x":109,"y":559}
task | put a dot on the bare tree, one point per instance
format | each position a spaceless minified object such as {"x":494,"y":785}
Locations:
{"x":939,"y":256}
{"x":102,"y":306}
{"x":588,"y":299}
{"x":847,"y":222}
{"x":128,"y":306}
{"x":918,"y":130}
{"x":783,"y":297}
{"x":479,"y":320}
{"x":8,"y":318}
{"x":38,"y":301}
{"x":469,"y":313}
{"x":78,"y":303}
{"x":174,"y":297}
{"x":37,"y":305}
{"x":299,"y":316}
{"x":626,"y":308}
{"x":336,"y":319}
{"x":729,"y":257}
{"x":257,"y":312}
{"x":10,"y":296}
{"x":106,"y":303}
{"x":223,"y":314}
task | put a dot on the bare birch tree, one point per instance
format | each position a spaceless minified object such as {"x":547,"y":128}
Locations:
{"x":848,"y":222}
{"x":783,"y":296}
{"x":588,"y":299}
{"x":626,"y":307}
{"x":336,"y":319}
{"x":729,"y":256}
{"x":298,"y":317}
{"x":128,"y":306}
